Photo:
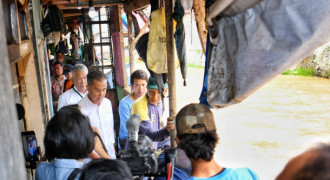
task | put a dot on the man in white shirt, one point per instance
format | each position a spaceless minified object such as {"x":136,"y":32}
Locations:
{"x":79,"y":90}
{"x":99,"y":109}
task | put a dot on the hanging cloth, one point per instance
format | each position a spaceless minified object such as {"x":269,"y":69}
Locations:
{"x":203,"y":96}
{"x":262,"y":42}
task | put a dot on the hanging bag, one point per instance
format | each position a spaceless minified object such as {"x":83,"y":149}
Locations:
{"x":156,"y":54}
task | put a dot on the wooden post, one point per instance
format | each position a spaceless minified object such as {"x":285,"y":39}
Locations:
{"x":140,"y":34}
{"x":130,"y":41}
{"x":171,"y":64}
{"x":122,"y":44}
{"x":12,"y":164}
{"x":120,"y":67}
{"x":101,"y":41}
{"x":199,"y":9}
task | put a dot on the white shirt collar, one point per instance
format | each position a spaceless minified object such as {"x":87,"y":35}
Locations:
{"x":83,"y":95}
{"x":90,"y":103}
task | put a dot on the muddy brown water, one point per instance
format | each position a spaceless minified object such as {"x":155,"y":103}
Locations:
{"x":280,"y":120}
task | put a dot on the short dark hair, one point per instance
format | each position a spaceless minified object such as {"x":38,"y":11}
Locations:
{"x":95,"y":75}
{"x":68,"y":135}
{"x":139,"y":74}
{"x":199,"y":145}
{"x":106,"y":169}
{"x":318,"y":167}
{"x":58,"y":62}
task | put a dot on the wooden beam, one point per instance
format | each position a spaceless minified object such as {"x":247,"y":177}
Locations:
{"x":130,"y":41}
{"x":19,"y":51}
{"x":141,"y":32}
{"x":56,"y":2}
{"x":59,"y":1}
{"x":121,"y":36}
{"x":171,"y":64}
{"x":142,"y":16}
{"x":22,"y":2}
{"x":114,"y":19}
{"x":120,"y":67}
{"x":71,"y":19}
{"x":71,"y":14}
{"x":101,"y":41}
{"x":69,"y":4}
{"x":132,"y":45}
{"x":96,"y":22}
{"x":135,"y":5}
{"x":98,"y":3}
{"x":65,"y":11}
{"x":199,"y":10}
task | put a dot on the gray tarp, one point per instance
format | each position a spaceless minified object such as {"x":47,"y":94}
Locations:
{"x":262,"y":42}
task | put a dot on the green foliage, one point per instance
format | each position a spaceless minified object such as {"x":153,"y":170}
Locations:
{"x":199,"y":52}
{"x":196,"y":66}
{"x":300,"y":72}
{"x":327,"y":48}
{"x":328,"y":74}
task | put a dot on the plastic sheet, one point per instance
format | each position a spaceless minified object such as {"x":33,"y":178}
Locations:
{"x":262,"y":42}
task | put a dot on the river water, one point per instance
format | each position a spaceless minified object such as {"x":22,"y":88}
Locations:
{"x":280,"y":120}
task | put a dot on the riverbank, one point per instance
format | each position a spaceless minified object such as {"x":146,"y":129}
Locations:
{"x":300,"y":72}
{"x":316,"y":63}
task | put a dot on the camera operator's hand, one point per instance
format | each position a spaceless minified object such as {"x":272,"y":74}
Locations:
{"x":170,"y":124}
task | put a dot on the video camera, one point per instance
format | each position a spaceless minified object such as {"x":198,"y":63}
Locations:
{"x":141,"y":157}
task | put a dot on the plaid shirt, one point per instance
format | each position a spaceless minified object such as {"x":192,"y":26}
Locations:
{"x":57,"y":87}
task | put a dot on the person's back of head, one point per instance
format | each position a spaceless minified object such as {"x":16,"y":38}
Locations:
{"x":106,"y":169}
{"x":196,"y":131}
{"x":313,"y":164}
{"x":68,"y":135}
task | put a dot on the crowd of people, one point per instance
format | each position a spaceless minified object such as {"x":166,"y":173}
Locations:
{"x":80,"y":138}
